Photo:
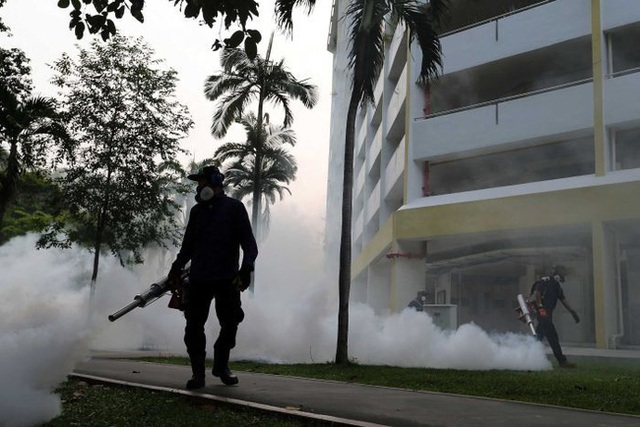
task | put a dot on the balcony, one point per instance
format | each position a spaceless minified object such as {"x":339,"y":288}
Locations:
{"x":373,"y":155}
{"x":358,"y":226}
{"x":620,"y":12}
{"x":621,"y":98}
{"x":513,"y":34}
{"x":397,"y":54}
{"x":361,"y":135}
{"x":396,"y":109}
{"x":378,"y":92}
{"x":552,"y":111}
{"x":373,"y":203}
{"x":359,"y":181}
{"x":393,"y":173}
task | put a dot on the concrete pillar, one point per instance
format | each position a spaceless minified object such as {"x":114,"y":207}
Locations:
{"x":599,"y":63}
{"x":408,"y":275}
{"x":604,"y":284}
{"x":359,"y":288}
{"x":378,"y":290}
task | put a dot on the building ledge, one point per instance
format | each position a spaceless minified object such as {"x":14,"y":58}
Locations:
{"x":585,"y":181}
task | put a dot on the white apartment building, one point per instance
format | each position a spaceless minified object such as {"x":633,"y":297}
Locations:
{"x":523,"y":154}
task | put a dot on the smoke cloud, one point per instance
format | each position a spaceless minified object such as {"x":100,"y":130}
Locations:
{"x":291,"y":318}
{"x":43,"y":331}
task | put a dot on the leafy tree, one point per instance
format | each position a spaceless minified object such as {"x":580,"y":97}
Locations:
{"x":244,"y":81}
{"x":224,"y":12}
{"x":366,"y":20}
{"x":120,"y":175}
{"x":278,"y":167}
{"x":29,"y":199}
{"x":37,"y":204}
{"x":3,"y":27}
{"x":29,"y":129}
{"x":15,"y":75}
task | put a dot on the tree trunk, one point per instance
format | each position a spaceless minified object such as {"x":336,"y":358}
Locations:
{"x":344,"y":273}
{"x":257,"y":190}
{"x":94,"y":274}
{"x":7,"y":191}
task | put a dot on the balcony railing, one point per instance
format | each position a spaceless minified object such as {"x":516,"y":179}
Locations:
{"x":498,"y":101}
{"x":623,"y":72}
{"x":494,"y":18}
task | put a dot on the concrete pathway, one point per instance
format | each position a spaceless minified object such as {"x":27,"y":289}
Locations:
{"x":344,"y":403}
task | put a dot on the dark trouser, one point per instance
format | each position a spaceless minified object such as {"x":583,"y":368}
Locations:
{"x":546,"y":329}
{"x":229,"y":313}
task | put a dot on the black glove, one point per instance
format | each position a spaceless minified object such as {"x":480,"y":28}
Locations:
{"x":174,"y":274}
{"x":243,"y":279}
{"x":575,"y":316}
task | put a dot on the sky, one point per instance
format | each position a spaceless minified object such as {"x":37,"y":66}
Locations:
{"x":292,"y":317}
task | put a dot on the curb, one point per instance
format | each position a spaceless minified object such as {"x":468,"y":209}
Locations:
{"x":292,"y":412}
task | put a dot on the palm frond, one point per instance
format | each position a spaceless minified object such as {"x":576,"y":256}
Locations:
{"x":422,"y":22}
{"x":366,"y":55}
{"x":284,"y":12}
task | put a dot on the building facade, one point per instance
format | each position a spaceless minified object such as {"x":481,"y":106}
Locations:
{"x":524,"y":153}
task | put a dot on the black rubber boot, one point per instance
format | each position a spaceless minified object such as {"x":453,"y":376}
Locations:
{"x":198,"y":370}
{"x":226,"y":376}
{"x":221,"y":367}
{"x":195,"y":383}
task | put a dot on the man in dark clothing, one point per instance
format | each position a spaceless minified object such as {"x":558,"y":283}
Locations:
{"x":218,"y":227}
{"x":419,"y":301}
{"x":546,"y":293}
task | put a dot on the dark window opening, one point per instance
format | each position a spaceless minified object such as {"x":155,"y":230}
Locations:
{"x":540,"y":163}
{"x":627,"y":149}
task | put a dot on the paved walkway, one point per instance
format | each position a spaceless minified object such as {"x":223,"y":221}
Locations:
{"x":345,"y":403}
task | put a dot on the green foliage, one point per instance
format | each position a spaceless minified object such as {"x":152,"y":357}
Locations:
{"x":97,"y":18}
{"x":15,"y":73}
{"x":244,"y":82}
{"x":121,"y":173}
{"x":277,"y":166}
{"x":37,"y":204}
{"x":3,"y":27}
{"x":30,"y":127}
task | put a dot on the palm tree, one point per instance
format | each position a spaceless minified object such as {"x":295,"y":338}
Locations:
{"x":26,"y":126}
{"x":244,"y":81}
{"x":265,"y":144}
{"x":366,"y":57}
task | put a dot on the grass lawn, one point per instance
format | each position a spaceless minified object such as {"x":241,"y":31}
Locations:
{"x":595,"y":384}
{"x":96,"y":405}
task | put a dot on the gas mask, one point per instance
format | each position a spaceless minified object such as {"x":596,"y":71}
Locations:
{"x":558,"y":278}
{"x":204,"y":193}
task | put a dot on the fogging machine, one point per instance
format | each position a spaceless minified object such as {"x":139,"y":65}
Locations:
{"x":155,"y":291}
{"x":526,"y":310}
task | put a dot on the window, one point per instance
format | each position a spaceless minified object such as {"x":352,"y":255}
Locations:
{"x":556,"y":160}
{"x":624,"y":53}
{"x":626,"y":149}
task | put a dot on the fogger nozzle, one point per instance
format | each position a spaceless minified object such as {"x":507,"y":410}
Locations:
{"x":524,"y":313}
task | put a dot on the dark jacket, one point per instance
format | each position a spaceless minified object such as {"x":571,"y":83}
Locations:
{"x":216,"y":231}
{"x":550,"y":292}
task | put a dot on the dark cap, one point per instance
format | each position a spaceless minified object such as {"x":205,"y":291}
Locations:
{"x":210,"y":173}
